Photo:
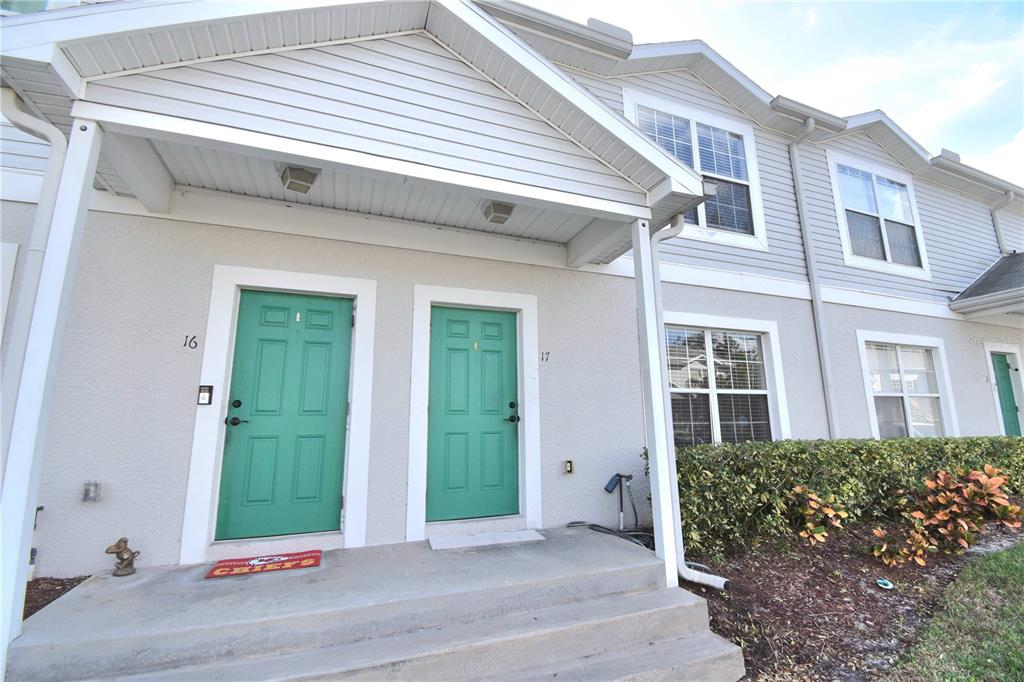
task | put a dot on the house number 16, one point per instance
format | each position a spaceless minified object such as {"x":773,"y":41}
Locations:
{"x":190,"y":342}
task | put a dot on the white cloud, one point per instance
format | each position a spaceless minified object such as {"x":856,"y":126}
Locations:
{"x":1005,"y":161}
{"x":811,"y":18}
{"x":924,"y":87}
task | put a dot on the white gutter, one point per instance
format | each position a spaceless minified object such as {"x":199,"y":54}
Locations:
{"x":17,"y":332}
{"x":817,"y":309}
{"x":685,"y":572}
{"x":1007,"y":198}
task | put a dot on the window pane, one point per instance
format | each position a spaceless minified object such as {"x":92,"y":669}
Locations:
{"x":691,"y":418}
{"x":687,"y":358}
{"x":892,"y":422}
{"x":721,"y":152}
{"x":738,"y":361}
{"x":883,"y":368}
{"x":902,"y":244}
{"x":865,"y":235}
{"x":893,"y":200}
{"x":671,"y":132}
{"x":925,"y":417}
{"x":918,"y":370}
{"x":743,"y":418}
{"x":855,"y":188}
{"x":729,"y":209}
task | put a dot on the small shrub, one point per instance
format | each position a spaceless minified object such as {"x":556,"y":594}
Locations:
{"x":815,"y":513}
{"x":948,"y":514}
{"x":738,"y":494}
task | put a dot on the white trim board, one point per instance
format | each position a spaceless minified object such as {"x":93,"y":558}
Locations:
{"x":219,"y":208}
{"x":424,"y":297}
{"x":9,"y":255}
{"x":778,"y":403}
{"x":1017,"y":351}
{"x":947,"y":400}
{"x":197,"y":532}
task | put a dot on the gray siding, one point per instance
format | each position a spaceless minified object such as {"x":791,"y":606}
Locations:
{"x":21,"y":151}
{"x":404,"y":98}
{"x":958,"y":234}
{"x":1012,"y":223}
{"x":785,"y":256}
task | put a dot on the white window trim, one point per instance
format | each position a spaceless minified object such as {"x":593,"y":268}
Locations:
{"x":201,"y":497}
{"x":947,"y":402}
{"x":525,"y":305}
{"x":853,"y":260}
{"x":632,"y":99}
{"x":1018,"y":353}
{"x":771,"y":347}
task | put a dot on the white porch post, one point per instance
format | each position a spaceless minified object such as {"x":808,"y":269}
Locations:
{"x":660,"y":451}
{"x":46,"y":331}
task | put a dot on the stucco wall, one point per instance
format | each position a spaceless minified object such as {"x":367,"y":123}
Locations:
{"x":125,"y":399}
{"x":965,"y":356}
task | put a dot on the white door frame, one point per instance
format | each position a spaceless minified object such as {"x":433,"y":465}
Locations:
{"x":525,"y":305}
{"x":201,"y":500}
{"x":1018,"y":386}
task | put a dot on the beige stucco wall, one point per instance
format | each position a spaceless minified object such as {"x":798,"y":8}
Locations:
{"x":125,"y":398}
{"x":964,"y":344}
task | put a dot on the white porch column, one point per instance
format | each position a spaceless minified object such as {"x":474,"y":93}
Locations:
{"x":24,"y":460}
{"x":660,"y":452}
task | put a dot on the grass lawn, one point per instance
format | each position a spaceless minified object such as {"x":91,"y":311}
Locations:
{"x":978,"y":630}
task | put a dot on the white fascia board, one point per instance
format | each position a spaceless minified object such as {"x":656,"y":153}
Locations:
{"x":477,"y":20}
{"x":93,"y":21}
{"x":236,"y":140}
{"x":878,"y":117}
{"x":593,"y":240}
{"x":699,"y":48}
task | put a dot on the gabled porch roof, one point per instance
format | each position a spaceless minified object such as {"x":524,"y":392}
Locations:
{"x":59,"y":62}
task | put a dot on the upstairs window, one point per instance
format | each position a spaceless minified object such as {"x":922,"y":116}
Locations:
{"x":877,"y":217}
{"x":722,"y":151}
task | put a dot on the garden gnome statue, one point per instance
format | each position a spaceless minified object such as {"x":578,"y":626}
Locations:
{"x":124,"y":558}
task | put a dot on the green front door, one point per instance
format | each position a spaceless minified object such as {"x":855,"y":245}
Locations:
{"x":473,"y":446}
{"x":283,"y":460}
{"x":1007,"y":400}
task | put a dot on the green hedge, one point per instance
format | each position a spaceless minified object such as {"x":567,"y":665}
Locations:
{"x":737,"y":494}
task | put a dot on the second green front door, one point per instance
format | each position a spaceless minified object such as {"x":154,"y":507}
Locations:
{"x":1004,"y":388}
{"x":473,"y":442}
{"x":284,"y":444}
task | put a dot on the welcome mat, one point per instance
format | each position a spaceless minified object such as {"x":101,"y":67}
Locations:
{"x":265,"y":564}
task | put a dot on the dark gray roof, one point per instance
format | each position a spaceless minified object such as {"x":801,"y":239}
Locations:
{"x":1005,"y":274}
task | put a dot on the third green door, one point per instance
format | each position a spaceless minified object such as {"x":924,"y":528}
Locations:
{"x":1004,"y":388}
{"x":473,"y":441}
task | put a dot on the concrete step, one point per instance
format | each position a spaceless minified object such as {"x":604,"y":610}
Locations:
{"x":219,"y":637}
{"x":703,"y":656}
{"x":484,"y":649}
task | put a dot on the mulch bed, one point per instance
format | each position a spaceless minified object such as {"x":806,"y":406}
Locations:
{"x":42,"y":591}
{"x":814,"y":613}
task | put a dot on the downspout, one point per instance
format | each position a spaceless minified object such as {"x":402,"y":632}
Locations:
{"x":685,"y":571}
{"x":817,"y":309}
{"x":19,"y":322}
{"x":1003,"y":203}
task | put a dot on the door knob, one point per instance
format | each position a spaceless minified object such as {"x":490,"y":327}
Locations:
{"x":235,"y":421}
{"x":514,"y":418}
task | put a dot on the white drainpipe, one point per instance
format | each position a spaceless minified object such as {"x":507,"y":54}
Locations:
{"x":1007,"y":198}
{"x":817,"y":309}
{"x":685,"y":572}
{"x":18,"y":326}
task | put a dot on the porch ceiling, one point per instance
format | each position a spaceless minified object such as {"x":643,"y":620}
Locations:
{"x":211,"y":169}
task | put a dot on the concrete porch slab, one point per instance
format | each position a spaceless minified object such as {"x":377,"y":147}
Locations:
{"x":508,"y":537}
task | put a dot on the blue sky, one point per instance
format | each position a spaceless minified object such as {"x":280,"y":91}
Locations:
{"x":949,"y":73}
